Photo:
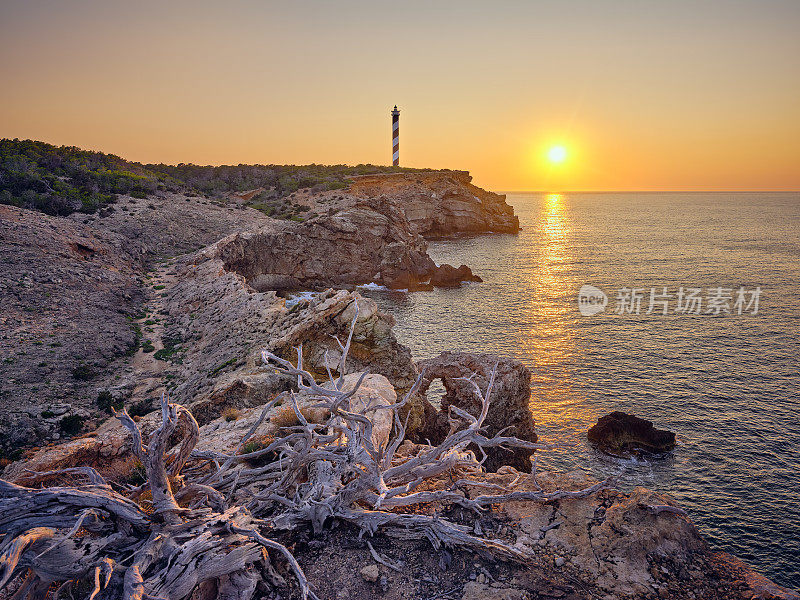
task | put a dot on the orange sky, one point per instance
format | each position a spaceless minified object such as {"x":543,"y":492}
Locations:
{"x":644,"y":95}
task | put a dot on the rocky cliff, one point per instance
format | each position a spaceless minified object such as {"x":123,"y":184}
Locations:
{"x":374,"y":231}
{"x":441,"y":203}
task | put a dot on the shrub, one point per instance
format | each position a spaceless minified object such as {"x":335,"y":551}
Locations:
{"x":71,"y":424}
{"x":83,"y":372}
{"x":169,"y":350}
{"x":257,"y":444}
{"x":230,"y":414}
{"x":138,"y":474}
{"x":141,"y":408}
{"x":224,"y":365}
{"x":106,"y":402}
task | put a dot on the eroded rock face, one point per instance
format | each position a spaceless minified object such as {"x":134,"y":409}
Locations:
{"x":508,"y":407}
{"x":441,"y":203}
{"x":357,"y":242}
{"x":619,"y":434}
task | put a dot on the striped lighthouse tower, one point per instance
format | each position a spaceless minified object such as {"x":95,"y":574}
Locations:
{"x":395,"y":137}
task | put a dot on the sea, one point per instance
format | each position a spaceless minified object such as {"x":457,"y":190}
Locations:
{"x":692,"y":322}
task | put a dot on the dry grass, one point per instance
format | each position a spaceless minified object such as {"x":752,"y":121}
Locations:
{"x":231,"y":414}
{"x":287,"y":417}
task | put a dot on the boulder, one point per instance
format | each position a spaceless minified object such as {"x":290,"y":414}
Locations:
{"x":508,"y":408}
{"x":448,"y":276}
{"x":375,"y":390}
{"x":620,"y":434}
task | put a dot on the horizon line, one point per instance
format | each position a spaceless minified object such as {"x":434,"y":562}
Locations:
{"x":666,"y":191}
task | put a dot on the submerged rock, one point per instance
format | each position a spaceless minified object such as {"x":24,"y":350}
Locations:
{"x":619,"y":433}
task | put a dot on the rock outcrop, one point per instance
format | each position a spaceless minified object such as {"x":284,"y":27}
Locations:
{"x":508,"y":409}
{"x":441,"y":203}
{"x":619,"y":434}
{"x":363,"y":242}
{"x":448,"y":276}
{"x":352,"y":240}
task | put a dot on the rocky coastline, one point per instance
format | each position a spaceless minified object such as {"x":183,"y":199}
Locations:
{"x":180,"y":295}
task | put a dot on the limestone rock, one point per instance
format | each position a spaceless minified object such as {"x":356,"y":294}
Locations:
{"x":370,"y":573}
{"x":508,"y":406}
{"x":619,"y":433}
{"x":441,"y":202}
{"x":359,"y":242}
{"x":375,"y":390}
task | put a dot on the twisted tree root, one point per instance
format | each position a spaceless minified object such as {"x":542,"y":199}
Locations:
{"x":220,"y":543}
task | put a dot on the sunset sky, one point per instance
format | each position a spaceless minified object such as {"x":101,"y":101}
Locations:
{"x":642,"y":95}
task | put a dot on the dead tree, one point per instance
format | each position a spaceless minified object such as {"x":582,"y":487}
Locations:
{"x":212,"y":517}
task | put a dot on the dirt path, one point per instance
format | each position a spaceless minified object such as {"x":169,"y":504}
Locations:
{"x":146,"y":368}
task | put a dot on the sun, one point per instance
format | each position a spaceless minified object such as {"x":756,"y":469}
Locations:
{"x":557,"y":154}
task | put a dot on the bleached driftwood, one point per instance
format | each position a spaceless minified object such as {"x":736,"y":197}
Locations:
{"x":213,"y":517}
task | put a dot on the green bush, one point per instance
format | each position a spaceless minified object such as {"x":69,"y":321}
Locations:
{"x":62,"y":180}
{"x":106,"y":402}
{"x":140,"y":409}
{"x":71,"y":424}
{"x":83,"y":372}
{"x":170,"y":350}
{"x":224,"y":365}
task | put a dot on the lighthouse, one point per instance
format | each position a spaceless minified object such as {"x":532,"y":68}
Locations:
{"x":395,"y":137}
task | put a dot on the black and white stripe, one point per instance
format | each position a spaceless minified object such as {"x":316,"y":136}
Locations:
{"x":395,"y":137}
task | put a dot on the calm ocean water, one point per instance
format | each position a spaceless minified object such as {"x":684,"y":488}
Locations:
{"x":728,"y":385}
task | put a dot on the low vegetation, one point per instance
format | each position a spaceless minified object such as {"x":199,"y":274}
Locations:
{"x":60,"y":180}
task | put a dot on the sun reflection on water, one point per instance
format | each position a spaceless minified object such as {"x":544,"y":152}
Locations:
{"x":550,"y":311}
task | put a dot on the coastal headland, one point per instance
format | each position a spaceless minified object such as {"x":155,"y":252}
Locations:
{"x":163,"y":288}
